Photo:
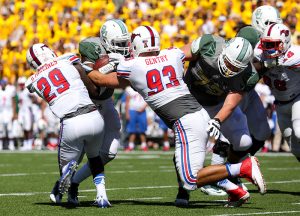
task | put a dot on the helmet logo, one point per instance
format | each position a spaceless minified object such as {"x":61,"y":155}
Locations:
{"x":44,"y":46}
{"x":104,"y":31}
{"x":145,"y":43}
{"x":133,"y":36}
{"x":285,"y":32}
{"x":258,"y":14}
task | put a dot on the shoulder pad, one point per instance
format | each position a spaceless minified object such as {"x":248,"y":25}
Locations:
{"x":249,"y":33}
{"x":292,"y":57}
{"x":207,"y":45}
{"x":70,"y":57}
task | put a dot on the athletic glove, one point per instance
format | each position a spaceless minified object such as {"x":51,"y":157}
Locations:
{"x":213,"y":128}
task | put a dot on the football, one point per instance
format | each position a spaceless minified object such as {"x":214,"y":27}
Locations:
{"x":103,"y":60}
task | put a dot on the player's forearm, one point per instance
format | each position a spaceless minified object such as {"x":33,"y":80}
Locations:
{"x":230,"y":103}
{"x":107,"y":80}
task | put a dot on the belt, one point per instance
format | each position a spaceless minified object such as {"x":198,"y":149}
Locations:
{"x":80,"y":111}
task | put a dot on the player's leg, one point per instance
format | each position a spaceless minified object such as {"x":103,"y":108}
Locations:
{"x":142,"y":128}
{"x":190,"y":149}
{"x":131,"y":129}
{"x":190,"y":140}
{"x":27,"y":125}
{"x":92,"y":145}
{"x":255,"y":112}
{"x":108,"y":149}
{"x":166,"y":143}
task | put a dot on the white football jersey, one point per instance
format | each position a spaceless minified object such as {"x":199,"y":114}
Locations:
{"x":284,"y":79}
{"x":58,"y":82}
{"x":6,"y":97}
{"x":25,"y":100}
{"x":159,"y":79}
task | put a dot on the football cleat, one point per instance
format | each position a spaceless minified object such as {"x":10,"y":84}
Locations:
{"x":55,"y":196}
{"x":237,"y":197}
{"x":182,"y":198}
{"x":67,"y":173}
{"x":73,"y":195}
{"x":251,"y":171}
{"x":101,"y":202}
{"x":213,"y":190}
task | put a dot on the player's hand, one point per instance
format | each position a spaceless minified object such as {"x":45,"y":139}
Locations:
{"x":115,"y":57}
{"x":213,"y":128}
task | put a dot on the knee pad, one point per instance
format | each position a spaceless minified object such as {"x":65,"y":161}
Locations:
{"x":245,"y":142}
{"x":287,"y":132}
{"x":108,"y":155}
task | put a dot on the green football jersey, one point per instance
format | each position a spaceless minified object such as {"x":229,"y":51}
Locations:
{"x":203,"y":78}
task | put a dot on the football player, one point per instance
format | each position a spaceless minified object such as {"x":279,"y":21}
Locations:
{"x":251,"y":105}
{"x":7,"y":113}
{"x":218,"y":75}
{"x":25,"y":115}
{"x":63,"y":84}
{"x":113,"y":40}
{"x":158,"y":76}
{"x":281,"y":60}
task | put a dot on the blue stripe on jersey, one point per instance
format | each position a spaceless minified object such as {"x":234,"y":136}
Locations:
{"x":123,"y":71}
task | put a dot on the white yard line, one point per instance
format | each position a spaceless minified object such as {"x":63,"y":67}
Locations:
{"x":131,"y":188}
{"x":260,"y":213}
{"x":88,"y":190}
{"x":285,"y":168}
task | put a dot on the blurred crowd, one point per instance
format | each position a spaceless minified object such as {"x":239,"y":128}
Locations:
{"x":62,"y":24}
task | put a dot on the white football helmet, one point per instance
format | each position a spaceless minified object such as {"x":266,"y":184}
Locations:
{"x":235,"y":57}
{"x":264,"y":16}
{"x":38,"y":54}
{"x":276,"y":40}
{"x":114,"y":36}
{"x":144,"y":39}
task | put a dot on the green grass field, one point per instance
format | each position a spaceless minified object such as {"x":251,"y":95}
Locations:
{"x":139,"y":184}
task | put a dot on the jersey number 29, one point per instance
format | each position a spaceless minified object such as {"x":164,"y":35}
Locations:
{"x":154,"y":81}
{"x":57,"y":80}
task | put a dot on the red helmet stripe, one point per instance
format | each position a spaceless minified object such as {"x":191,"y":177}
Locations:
{"x":37,"y":61}
{"x":152,"y":36}
{"x":270,"y":29}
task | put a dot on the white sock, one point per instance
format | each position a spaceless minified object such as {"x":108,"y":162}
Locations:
{"x":99,"y":182}
{"x":217,"y":159}
{"x":53,"y":140}
{"x":83,"y":173}
{"x":233,"y":169}
{"x":143,"y":145}
{"x":1,"y":144}
{"x":166,"y":144}
{"x":11,"y":145}
{"x":131,"y":145}
{"x":227,"y":185}
{"x":29,"y":143}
